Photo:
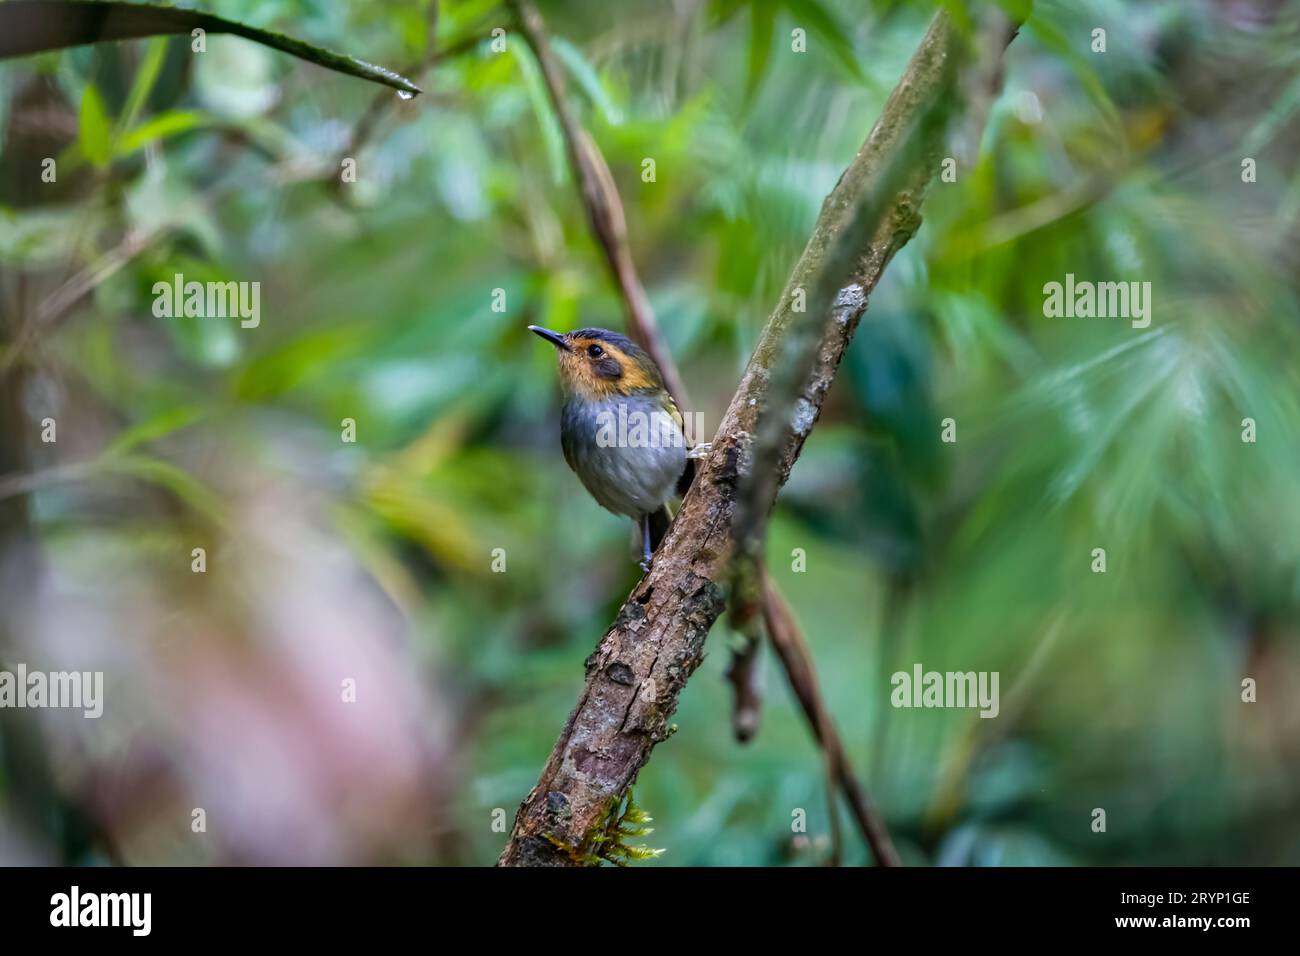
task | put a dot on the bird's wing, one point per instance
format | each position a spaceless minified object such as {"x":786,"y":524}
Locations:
{"x":688,"y":473}
{"x":671,"y":408}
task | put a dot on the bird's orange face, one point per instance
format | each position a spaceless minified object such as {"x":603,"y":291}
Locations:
{"x":596,"y":365}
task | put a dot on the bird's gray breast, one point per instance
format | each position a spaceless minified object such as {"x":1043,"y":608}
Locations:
{"x":628,"y":451}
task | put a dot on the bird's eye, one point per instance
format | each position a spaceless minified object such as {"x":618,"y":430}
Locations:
{"x":595,"y":351}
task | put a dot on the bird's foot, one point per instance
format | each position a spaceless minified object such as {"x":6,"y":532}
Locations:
{"x":645,"y":565}
{"x":701,"y":450}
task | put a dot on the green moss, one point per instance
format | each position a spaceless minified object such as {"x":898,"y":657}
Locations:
{"x":606,"y":842}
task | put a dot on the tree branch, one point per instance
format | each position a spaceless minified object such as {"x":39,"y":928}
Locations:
{"x":601,"y":201}
{"x":790,"y":646}
{"x":745,"y":675}
{"x":362,"y":130}
{"x":798,"y":385}
{"x":604,"y":207}
{"x":635,"y":674}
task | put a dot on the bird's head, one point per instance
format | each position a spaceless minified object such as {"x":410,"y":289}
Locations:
{"x":597,"y":363}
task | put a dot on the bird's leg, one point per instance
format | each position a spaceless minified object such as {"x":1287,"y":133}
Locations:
{"x":645,"y":542}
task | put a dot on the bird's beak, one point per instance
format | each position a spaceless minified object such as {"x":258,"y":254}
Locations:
{"x":555,"y":338}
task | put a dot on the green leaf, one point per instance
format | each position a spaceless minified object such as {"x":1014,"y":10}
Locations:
{"x":1279,"y":114}
{"x":94,"y":136}
{"x":160,"y":426}
{"x":585,"y":75}
{"x":1052,"y":37}
{"x":162,"y":126}
{"x":178,"y":481}
{"x":541,"y":103}
{"x":721,"y":11}
{"x":960,"y":17}
{"x":762,"y":27}
{"x":35,"y":26}
{"x":145,"y":78}
{"x":812,"y":15}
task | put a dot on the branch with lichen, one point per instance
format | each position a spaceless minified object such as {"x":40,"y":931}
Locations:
{"x":638,"y":670}
{"x":797,"y":388}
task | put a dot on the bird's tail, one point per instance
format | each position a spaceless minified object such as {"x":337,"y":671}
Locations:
{"x":688,"y":475}
{"x":659,"y":522}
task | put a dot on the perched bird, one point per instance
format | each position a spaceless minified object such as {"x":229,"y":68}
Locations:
{"x":620,"y":428}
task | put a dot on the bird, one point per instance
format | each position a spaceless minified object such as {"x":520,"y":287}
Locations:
{"x":620,"y":430}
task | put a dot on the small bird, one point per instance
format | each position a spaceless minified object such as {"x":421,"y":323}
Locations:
{"x":620,"y":428}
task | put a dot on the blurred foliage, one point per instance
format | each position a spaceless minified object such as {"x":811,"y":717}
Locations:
{"x":1119,"y":690}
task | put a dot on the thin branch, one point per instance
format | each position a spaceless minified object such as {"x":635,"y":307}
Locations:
{"x":66,"y":296}
{"x":800,"y":379}
{"x":364,"y":128}
{"x":604,"y":209}
{"x":59,"y":303}
{"x":636,"y":674}
{"x":884,"y":217}
{"x":745,"y":675}
{"x":982,"y":85}
{"x":788,"y":642}
{"x":980,"y":735}
{"x":76,"y":286}
{"x":21,"y":483}
{"x":833,"y":807}
{"x":602,"y":203}
{"x":36,"y":27}
{"x":605,"y":216}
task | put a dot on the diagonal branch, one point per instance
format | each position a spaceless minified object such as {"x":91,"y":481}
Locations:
{"x":789,"y":645}
{"x":364,"y":128}
{"x":637,"y":672}
{"x":745,"y":675}
{"x":792,"y":405}
{"x":601,"y":201}
{"x":604,"y":207}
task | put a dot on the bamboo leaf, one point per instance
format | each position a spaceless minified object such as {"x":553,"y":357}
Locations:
{"x":160,"y":426}
{"x":721,"y":11}
{"x":160,"y":127}
{"x":93,"y":136}
{"x":819,"y":21}
{"x":168,"y":476}
{"x":587,"y":79}
{"x":762,"y":26}
{"x":142,"y":86}
{"x":541,"y":103}
{"x":36,"y":26}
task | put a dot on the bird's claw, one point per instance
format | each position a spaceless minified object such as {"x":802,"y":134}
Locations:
{"x":645,"y":565}
{"x":701,"y":450}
